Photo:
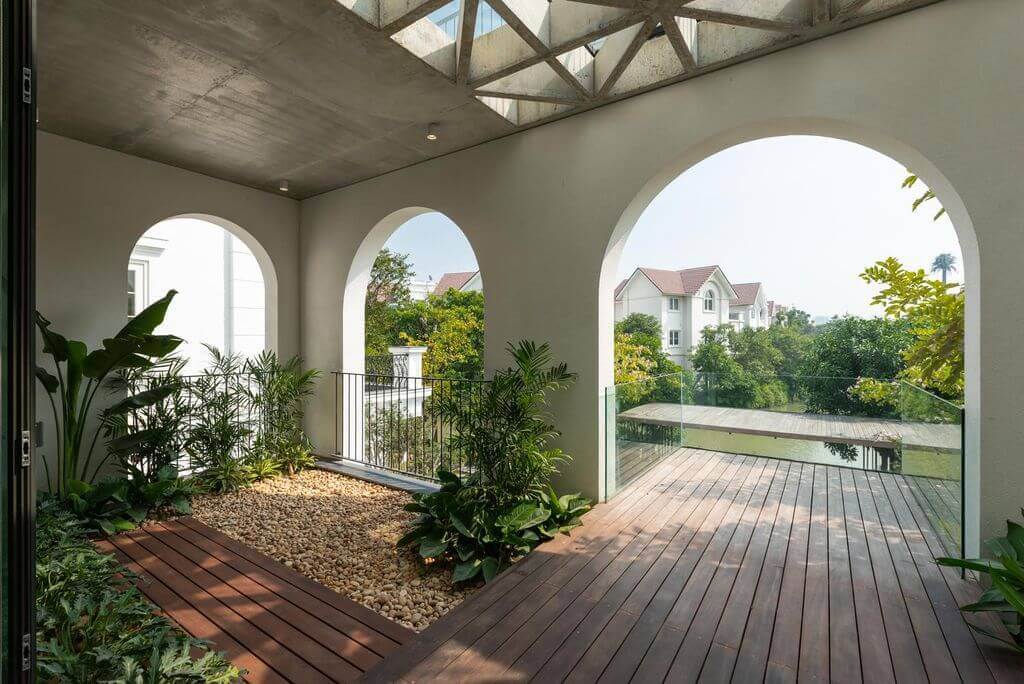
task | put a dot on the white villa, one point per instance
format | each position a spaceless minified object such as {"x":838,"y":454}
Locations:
{"x":749,"y":309}
{"x":684,"y":302}
{"x":687,"y":301}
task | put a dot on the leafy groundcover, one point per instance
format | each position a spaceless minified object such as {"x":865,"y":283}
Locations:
{"x":94,"y":625}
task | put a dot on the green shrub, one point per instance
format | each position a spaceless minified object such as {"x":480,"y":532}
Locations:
{"x":262,"y":467}
{"x":277,"y":395}
{"x":506,"y":506}
{"x":93,"y":625}
{"x":460,"y":523}
{"x":1005,"y":597}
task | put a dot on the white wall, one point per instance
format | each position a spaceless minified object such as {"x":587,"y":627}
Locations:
{"x":93,"y":205}
{"x":938,"y":89}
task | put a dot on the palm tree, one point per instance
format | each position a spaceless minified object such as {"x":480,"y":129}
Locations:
{"x":945,"y":263}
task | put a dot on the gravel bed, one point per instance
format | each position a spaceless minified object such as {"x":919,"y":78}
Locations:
{"x":340,"y":532}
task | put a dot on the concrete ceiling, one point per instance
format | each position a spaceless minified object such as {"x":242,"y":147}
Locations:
{"x":326,"y":93}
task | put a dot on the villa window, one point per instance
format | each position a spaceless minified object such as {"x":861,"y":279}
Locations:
{"x":673,"y":303}
{"x":673,"y":338}
{"x":138,"y":287}
{"x":734,"y":316}
{"x":709,"y":301}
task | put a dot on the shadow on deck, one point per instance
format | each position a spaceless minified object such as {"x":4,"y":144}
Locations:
{"x":724,"y":568}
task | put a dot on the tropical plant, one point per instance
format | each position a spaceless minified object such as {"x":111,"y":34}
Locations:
{"x":461,"y":523}
{"x":79,"y":375}
{"x":1005,"y":596}
{"x":502,"y":426}
{"x":93,"y":625}
{"x":277,"y":394}
{"x":117,"y":504}
{"x":944,"y":263}
{"x":295,"y":458}
{"x":262,"y":467}
{"x":217,"y":439}
{"x":145,"y":439}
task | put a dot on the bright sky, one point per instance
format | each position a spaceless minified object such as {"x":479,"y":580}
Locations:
{"x":803,"y":215}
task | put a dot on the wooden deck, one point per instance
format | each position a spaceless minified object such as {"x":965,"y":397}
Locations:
{"x":869,"y":432}
{"x":269,"y":619}
{"x":723,"y":568}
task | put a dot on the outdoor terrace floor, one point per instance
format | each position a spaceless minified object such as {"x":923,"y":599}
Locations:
{"x":721,"y":567}
{"x":269,"y":619}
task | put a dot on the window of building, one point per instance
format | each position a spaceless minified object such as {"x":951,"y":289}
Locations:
{"x":709,"y":300}
{"x":673,"y":338}
{"x":734,"y":316}
{"x":673,"y":303}
{"x":138,"y":287}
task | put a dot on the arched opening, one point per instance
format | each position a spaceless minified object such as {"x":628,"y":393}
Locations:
{"x":961,"y":456}
{"x":412,"y":329}
{"x":225,"y":282}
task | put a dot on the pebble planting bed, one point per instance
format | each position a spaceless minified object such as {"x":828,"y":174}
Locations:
{"x":340,"y":532}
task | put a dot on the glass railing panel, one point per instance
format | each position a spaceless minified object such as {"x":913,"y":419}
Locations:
{"x":897,"y":428}
{"x":634,"y":443}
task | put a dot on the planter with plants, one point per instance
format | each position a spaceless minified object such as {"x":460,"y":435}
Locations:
{"x":506,"y":506}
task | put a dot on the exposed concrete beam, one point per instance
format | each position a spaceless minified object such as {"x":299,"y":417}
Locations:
{"x":655,"y":62}
{"x":395,"y":15}
{"x":570,"y":20}
{"x":534,"y":15}
{"x":536,"y":44}
{"x":739,"y":20}
{"x":464,"y":41}
{"x":679,"y":44}
{"x":617,"y":25}
{"x":427,"y":41}
{"x":616,"y":54}
{"x":821,"y":12}
{"x":527,"y":97}
{"x":851,"y":9}
{"x":538,"y":80}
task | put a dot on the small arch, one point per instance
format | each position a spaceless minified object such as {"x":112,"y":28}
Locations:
{"x":875,"y":140}
{"x":259,"y":253}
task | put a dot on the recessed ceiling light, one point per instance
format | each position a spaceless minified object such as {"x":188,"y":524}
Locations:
{"x":283,"y":186}
{"x":432,"y":131}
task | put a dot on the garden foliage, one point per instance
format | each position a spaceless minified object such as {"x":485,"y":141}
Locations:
{"x":505,"y":506}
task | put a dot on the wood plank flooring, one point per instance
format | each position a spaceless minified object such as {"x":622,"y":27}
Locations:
{"x":275,"y":623}
{"x":718,"y":567}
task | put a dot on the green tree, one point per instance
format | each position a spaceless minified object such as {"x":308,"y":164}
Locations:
{"x":849,"y":348}
{"x":794,"y":318}
{"x":722,"y":381}
{"x":639,"y":323}
{"x":933,"y":313}
{"x":451,"y":327}
{"x":388,"y":288}
{"x":945,"y":263}
{"x":643,"y":372}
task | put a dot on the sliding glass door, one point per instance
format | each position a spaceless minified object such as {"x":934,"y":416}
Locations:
{"x":17,"y":303}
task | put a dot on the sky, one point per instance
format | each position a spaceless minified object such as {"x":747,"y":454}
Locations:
{"x":803,"y":215}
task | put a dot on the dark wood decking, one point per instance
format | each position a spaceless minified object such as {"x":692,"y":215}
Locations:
{"x":269,"y":619}
{"x":723,"y":568}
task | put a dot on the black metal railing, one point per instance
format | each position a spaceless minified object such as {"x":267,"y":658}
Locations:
{"x":230,"y":400}
{"x":401,"y":425}
{"x":388,"y":370}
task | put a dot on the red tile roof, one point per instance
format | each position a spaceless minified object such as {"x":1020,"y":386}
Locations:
{"x":686,"y":282}
{"x":453,"y":281}
{"x":746,"y":294}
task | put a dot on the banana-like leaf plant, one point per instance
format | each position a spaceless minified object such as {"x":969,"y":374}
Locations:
{"x":79,"y":375}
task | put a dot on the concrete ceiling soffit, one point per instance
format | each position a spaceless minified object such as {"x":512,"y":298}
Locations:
{"x":529,"y":60}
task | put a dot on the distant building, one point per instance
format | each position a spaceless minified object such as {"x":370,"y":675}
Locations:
{"x":750,"y":307}
{"x":463,"y":281}
{"x":684,"y":303}
{"x":421,"y":289}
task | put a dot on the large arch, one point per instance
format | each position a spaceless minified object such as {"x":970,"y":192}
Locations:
{"x":884,"y":144}
{"x":263,"y":259}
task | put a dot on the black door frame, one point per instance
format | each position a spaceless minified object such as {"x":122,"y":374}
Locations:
{"x":17,"y":369}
